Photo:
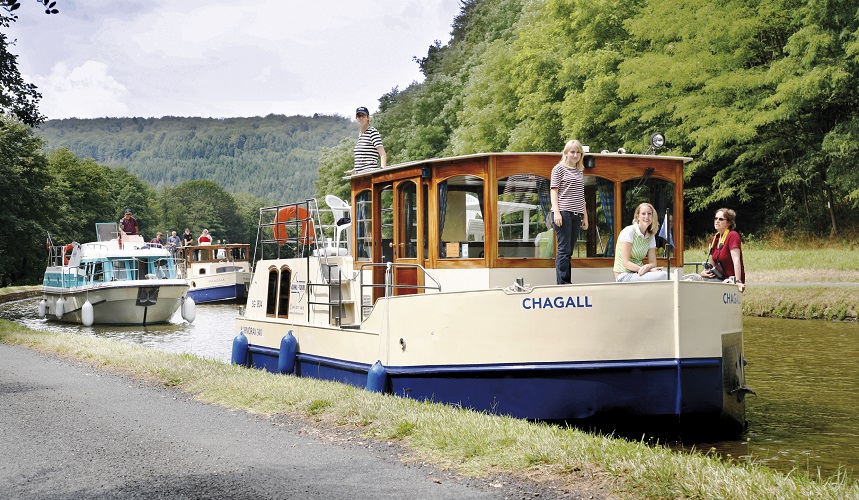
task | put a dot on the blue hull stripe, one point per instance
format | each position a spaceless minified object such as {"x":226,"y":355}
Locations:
{"x":547,"y":391}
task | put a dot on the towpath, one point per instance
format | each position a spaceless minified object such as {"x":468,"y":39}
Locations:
{"x":70,"y":431}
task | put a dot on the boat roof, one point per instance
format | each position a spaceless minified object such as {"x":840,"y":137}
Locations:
{"x":398,"y":166}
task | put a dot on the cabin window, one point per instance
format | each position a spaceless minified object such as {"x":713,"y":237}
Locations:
{"x":460,"y":217}
{"x":283,"y":293}
{"x":522,"y":207}
{"x":238,"y":254}
{"x":364,"y":226}
{"x":271,"y":296}
{"x":386,"y":200}
{"x":98,"y":271}
{"x":648,"y":189}
{"x":409,"y":212}
{"x":162,"y":269}
{"x":598,"y":239}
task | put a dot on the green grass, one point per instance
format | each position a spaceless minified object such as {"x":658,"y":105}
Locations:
{"x":469,"y":443}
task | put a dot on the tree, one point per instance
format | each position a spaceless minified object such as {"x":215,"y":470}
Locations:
{"x":204,"y":204}
{"x":332,"y":171}
{"x":80,"y":197}
{"x":25,"y":208}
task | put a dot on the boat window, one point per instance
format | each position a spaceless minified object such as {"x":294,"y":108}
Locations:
{"x":283,"y":293}
{"x":648,"y":189}
{"x":239,"y":253}
{"x":364,"y":226}
{"x":228,"y":269}
{"x":522,"y":206}
{"x":409,"y":220}
{"x":386,"y":200}
{"x":271,"y":296}
{"x":162,"y":269}
{"x":121,"y":271}
{"x":460,"y":217}
{"x":598,"y":239}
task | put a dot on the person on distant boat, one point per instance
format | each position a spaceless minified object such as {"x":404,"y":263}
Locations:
{"x":173,"y":240}
{"x":158,"y":239}
{"x":187,"y":238}
{"x":128,"y":224}
{"x":204,"y":238}
{"x":634,"y":243}
{"x":569,"y":216}
{"x":369,"y":150}
{"x":725,"y":257}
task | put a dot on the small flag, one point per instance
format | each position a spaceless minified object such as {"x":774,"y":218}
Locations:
{"x":665,"y":232}
{"x":49,"y":243}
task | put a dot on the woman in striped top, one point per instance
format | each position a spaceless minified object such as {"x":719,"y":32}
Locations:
{"x":567,"y":192}
{"x":636,"y":242}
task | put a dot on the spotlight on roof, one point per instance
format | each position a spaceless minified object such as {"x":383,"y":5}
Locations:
{"x":657,"y":141}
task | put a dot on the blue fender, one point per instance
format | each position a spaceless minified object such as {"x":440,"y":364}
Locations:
{"x":240,"y":350}
{"x":377,"y":378}
{"x":288,"y":352}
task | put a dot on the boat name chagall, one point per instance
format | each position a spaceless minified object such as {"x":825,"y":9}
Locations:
{"x":556,"y":302}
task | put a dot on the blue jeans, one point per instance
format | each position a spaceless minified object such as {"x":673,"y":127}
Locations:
{"x":567,"y":235}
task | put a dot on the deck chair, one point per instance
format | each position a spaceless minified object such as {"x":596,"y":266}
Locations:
{"x":341,"y":211}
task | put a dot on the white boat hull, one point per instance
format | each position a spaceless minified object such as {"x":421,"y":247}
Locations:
{"x":120,"y":303}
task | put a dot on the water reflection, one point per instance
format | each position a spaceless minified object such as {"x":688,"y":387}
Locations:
{"x":805,"y":373}
{"x":209,"y":336}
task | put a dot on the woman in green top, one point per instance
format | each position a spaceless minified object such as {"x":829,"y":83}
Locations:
{"x":634,"y":243}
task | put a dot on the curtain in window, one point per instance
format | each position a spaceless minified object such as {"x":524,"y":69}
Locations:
{"x":545,"y":201}
{"x":442,"y":211}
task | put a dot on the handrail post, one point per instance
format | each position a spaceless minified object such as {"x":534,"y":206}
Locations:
{"x":389,"y":279}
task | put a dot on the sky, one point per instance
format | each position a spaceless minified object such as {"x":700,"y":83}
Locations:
{"x":217,"y":58}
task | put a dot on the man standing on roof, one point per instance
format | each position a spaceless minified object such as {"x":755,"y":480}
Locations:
{"x":128,"y":224}
{"x":369,"y":149}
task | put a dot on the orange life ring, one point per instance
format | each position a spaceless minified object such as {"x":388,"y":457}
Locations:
{"x":67,"y":249}
{"x":282,"y":229}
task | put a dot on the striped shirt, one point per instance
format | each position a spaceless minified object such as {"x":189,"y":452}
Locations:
{"x":366,"y":152}
{"x":570,"y":183}
{"x":641,"y":244}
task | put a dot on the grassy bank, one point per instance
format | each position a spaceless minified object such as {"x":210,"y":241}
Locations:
{"x":770,"y":266}
{"x":468,"y":443}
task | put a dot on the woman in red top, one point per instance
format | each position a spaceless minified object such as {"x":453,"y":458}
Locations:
{"x":726,"y":249}
{"x":204,"y":238}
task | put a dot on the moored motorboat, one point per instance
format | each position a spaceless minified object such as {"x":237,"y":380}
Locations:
{"x":217,"y":273}
{"x":114,"y":280}
{"x":448,"y":294}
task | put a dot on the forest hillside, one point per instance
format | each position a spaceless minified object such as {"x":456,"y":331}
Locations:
{"x":274,"y":157}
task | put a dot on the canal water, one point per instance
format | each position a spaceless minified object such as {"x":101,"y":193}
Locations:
{"x":805,"y":416}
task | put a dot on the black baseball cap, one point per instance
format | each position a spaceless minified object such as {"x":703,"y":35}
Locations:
{"x":128,"y":210}
{"x":362,"y":110}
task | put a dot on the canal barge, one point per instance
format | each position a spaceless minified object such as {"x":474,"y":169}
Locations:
{"x":216,"y":273}
{"x":448,"y":293}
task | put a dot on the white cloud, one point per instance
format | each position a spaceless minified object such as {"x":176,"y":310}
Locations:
{"x":86,"y":91}
{"x":218,"y":58}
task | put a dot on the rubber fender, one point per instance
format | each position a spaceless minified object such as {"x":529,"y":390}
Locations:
{"x":377,"y":378}
{"x":288,"y":352}
{"x":87,"y":314}
{"x":189,"y":310}
{"x":240,"y":350}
